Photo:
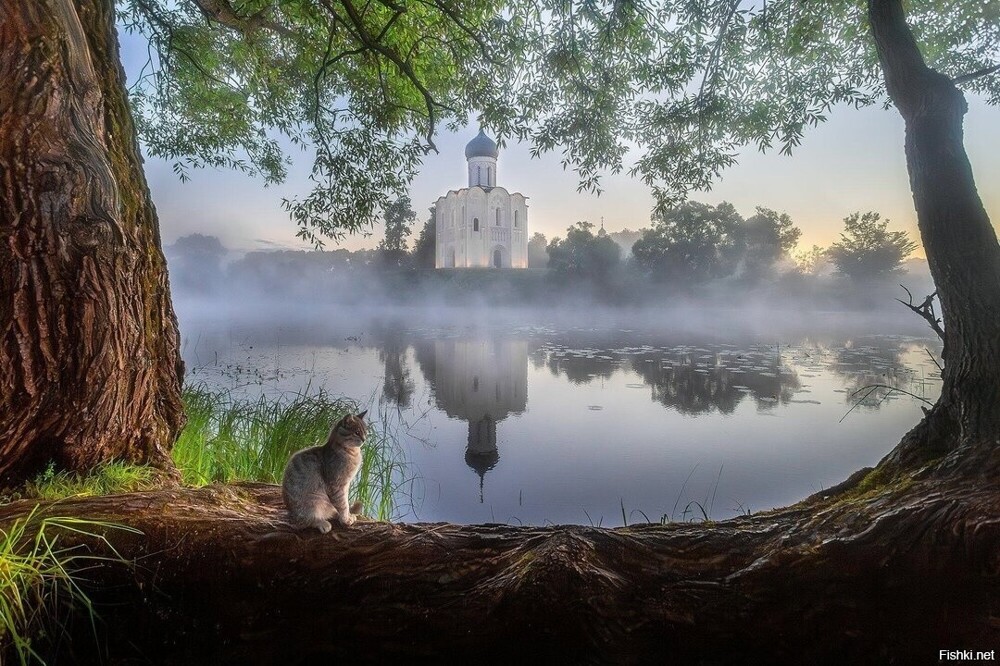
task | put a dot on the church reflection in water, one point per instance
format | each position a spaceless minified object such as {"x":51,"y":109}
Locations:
{"x":482,"y":382}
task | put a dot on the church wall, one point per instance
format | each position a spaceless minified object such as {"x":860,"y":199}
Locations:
{"x":459,"y":243}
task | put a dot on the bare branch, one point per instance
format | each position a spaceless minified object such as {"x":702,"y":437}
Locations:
{"x":925,"y":310}
{"x":871,"y":388}
{"x":939,"y":366}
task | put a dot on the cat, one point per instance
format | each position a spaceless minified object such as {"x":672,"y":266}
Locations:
{"x":317,"y":480}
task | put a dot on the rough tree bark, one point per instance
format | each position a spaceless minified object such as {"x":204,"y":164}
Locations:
{"x":90,"y":368}
{"x":962,"y":252}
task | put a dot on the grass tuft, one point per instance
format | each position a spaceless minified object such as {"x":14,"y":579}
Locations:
{"x":230,"y":439}
{"x":39,"y":576}
{"x":108,"y":479}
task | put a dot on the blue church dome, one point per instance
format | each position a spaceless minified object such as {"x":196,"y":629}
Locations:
{"x":481,"y":146}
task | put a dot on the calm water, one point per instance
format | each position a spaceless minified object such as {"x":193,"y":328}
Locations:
{"x":523,"y":419}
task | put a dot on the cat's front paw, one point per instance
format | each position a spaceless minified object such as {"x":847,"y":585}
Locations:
{"x":323,"y":526}
{"x":347,"y":520}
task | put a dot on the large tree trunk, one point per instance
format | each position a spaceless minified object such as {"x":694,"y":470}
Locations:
{"x":890,"y":575}
{"x":963,"y":428}
{"x":90,"y":368}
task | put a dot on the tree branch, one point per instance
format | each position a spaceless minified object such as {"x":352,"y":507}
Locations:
{"x":907,"y":76}
{"x":442,"y":6}
{"x":985,"y":71}
{"x":223,"y":12}
{"x":404,"y":67}
{"x":925,"y":310}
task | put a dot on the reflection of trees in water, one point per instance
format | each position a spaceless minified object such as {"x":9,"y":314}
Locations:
{"x":538,"y":356}
{"x":397,"y":385}
{"x":690,"y":380}
{"x":582,"y":367}
{"x":694,"y":385}
{"x":870,"y":361}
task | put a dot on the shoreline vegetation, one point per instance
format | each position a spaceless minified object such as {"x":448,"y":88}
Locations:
{"x":231,"y":439}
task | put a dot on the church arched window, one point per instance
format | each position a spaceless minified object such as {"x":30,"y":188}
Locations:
{"x":515,"y":219}
{"x":479,"y":175}
{"x":475,"y":224}
{"x":489,"y":175}
{"x":498,"y":217}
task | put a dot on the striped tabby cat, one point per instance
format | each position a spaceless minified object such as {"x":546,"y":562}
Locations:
{"x":317,"y":480}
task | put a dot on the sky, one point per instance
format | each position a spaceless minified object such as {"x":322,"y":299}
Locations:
{"x":853,"y":162}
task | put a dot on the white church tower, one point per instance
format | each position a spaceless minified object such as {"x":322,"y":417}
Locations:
{"x":482,"y":225}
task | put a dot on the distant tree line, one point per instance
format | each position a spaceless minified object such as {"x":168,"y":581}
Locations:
{"x":685,"y":247}
{"x":695,"y":243}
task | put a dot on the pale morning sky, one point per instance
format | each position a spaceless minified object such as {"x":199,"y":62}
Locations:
{"x":853,"y":162}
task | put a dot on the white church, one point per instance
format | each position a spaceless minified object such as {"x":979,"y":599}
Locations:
{"x":482,"y":225}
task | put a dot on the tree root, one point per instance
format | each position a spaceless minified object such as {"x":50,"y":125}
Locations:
{"x":871,"y":574}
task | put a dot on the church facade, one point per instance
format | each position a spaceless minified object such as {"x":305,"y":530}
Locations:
{"x":482,"y":225}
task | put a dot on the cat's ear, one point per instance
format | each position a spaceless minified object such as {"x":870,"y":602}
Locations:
{"x":362,"y":414}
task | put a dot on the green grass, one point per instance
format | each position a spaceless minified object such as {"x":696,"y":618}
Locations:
{"x":230,"y":439}
{"x":106,"y":479}
{"x":38,"y":576}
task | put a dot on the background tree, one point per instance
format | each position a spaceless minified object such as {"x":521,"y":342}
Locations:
{"x":425,"y":249}
{"x":811,"y":261}
{"x":399,"y":217}
{"x":768,"y":237}
{"x":583,"y":253}
{"x":196,"y":262}
{"x":692,"y":242}
{"x":867,"y":249}
{"x":626,"y":238}
{"x":538,"y":256}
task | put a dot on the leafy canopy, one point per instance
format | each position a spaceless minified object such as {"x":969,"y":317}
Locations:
{"x":867,"y":249}
{"x":768,"y":237}
{"x":365,"y":85}
{"x":538,"y":256}
{"x":425,"y":248}
{"x":693,"y":242}
{"x":583,"y":253}
{"x":399,"y":218}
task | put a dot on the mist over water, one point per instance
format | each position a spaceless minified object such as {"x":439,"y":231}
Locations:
{"x":564,"y":412}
